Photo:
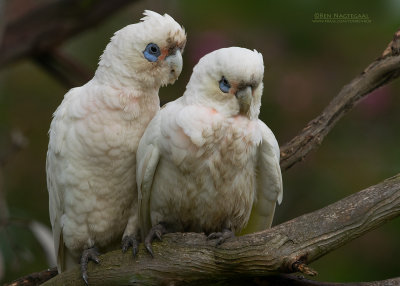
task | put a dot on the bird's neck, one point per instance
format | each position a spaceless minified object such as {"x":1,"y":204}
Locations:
{"x":109,"y":75}
{"x":115,"y":76}
{"x":129,"y":101}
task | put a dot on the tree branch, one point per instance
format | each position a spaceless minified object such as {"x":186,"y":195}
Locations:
{"x":46,"y":27}
{"x":380,"y":72}
{"x":35,"y":278}
{"x":66,"y":70}
{"x":183,"y":258}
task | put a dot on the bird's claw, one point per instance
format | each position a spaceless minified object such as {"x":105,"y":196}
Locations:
{"x":87,"y":255}
{"x":156,"y":231}
{"x":128,"y":241}
{"x":221,"y":236}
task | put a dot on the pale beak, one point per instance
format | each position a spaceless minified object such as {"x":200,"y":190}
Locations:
{"x":174,"y":62}
{"x":244,"y":97}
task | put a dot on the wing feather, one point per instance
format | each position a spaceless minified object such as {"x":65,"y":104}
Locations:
{"x":55,"y":159}
{"x":147,"y":157}
{"x":269,"y":183}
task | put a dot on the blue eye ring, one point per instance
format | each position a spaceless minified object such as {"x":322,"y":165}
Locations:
{"x":152,"y":52}
{"x":224,"y":85}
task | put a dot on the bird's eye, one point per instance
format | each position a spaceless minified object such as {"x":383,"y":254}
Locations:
{"x":152,"y":52}
{"x":224,"y":85}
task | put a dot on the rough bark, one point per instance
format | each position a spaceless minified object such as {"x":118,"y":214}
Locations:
{"x":189,"y":258}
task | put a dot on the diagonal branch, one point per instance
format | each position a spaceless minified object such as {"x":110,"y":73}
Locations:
{"x":380,"y":72}
{"x":49,"y":25}
{"x":190,"y":258}
{"x":64,"y":68}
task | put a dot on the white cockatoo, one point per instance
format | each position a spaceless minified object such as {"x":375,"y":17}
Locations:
{"x":94,"y":135}
{"x":206,"y":163}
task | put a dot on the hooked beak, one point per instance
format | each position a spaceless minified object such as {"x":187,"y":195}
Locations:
{"x":244,"y":97}
{"x":174,"y":62}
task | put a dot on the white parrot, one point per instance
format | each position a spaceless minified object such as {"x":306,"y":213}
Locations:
{"x":206,"y":163}
{"x":94,"y":135}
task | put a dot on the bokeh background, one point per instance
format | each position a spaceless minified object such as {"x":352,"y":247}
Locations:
{"x":306,"y":66}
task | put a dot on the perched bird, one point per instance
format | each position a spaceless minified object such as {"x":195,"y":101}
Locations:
{"x":206,"y":163}
{"x":94,"y":135}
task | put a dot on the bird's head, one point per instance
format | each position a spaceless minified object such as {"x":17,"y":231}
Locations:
{"x":149,"y":52}
{"x":228,"y":80}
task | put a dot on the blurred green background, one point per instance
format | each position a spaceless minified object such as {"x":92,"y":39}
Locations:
{"x":306,"y":66}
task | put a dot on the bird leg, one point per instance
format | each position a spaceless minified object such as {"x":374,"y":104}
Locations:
{"x":87,"y":255}
{"x":221,"y":236}
{"x":128,"y":241}
{"x":156,"y":231}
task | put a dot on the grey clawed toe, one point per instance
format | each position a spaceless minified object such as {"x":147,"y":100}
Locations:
{"x":128,"y":241}
{"x":90,"y":254}
{"x":156,"y":231}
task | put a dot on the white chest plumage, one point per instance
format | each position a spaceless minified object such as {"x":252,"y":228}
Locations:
{"x":221,"y":173}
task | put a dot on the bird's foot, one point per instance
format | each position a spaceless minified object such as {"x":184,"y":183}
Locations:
{"x":221,"y":236}
{"x":87,"y":255}
{"x":128,"y":241}
{"x":156,"y":231}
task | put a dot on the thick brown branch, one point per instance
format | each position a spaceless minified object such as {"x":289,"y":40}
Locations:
{"x":191,"y":258}
{"x":380,"y":72}
{"x":67,"y":71}
{"x":46,"y":27}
